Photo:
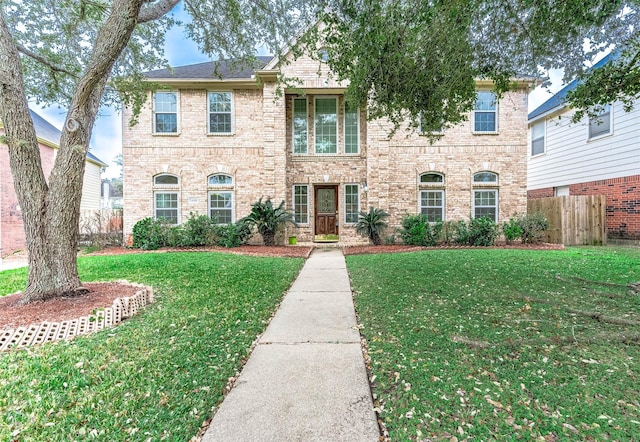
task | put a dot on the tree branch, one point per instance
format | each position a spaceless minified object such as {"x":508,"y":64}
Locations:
{"x":44,"y":61}
{"x":155,"y":10}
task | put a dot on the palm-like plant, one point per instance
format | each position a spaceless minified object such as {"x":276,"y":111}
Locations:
{"x":371,"y":224}
{"x":266,"y":219}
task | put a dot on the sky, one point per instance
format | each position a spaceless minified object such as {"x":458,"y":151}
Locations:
{"x":106,"y":141}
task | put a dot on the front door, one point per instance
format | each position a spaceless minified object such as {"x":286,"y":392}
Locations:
{"x":326,"y":210}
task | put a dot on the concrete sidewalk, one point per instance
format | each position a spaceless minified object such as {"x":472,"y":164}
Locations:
{"x":306,"y":378}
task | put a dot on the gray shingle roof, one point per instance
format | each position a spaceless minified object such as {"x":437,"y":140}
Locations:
{"x":226,"y":69}
{"x":558,"y":99}
{"x":49,"y":132}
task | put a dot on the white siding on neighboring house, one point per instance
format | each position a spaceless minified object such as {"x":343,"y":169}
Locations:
{"x":91,"y":188}
{"x":570,"y":157}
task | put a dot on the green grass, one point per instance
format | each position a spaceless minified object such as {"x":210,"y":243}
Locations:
{"x":496,"y":344}
{"x":157,"y":375}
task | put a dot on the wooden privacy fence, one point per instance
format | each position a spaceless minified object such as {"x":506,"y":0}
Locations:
{"x":573,"y":220}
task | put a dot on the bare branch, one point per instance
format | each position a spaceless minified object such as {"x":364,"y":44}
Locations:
{"x":44,"y":61}
{"x":155,"y":10}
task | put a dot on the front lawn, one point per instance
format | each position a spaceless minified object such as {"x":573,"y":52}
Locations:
{"x":157,"y":375}
{"x":503,"y":344}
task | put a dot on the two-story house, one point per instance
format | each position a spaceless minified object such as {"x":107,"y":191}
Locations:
{"x":12,"y":237}
{"x":596,"y":156}
{"x":215,"y":145}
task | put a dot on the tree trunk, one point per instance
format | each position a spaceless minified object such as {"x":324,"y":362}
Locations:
{"x":51,"y":211}
{"x":269,"y":238}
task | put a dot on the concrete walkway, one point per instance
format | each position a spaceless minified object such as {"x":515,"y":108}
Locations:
{"x":306,"y":378}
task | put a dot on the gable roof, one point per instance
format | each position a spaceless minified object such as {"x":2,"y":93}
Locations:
{"x":226,"y":69}
{"x":48,"y":132}
{"x":557,"y":101}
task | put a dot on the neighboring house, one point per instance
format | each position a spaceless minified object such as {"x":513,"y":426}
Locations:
{"x":599,"y":156}
{"x":11,"y":225}
{"x":111,"y":195}
{"x":212,"y":145}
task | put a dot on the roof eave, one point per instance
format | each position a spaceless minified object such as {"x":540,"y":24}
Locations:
{"x":186,"y":83}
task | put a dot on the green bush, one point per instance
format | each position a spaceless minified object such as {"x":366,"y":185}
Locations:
{"x":511,"y":230}
{"x":533,"y":227}
{"x":233,"y":235}
{"x":477,"y":232}
{"x":199,"y":230}
{"x":150,"y":234}
{"x":416,"y":230}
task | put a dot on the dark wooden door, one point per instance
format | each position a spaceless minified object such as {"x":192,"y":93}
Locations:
{"x":326,"y":210}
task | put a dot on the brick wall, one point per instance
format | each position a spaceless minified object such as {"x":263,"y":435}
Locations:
{"x":623,"y":203}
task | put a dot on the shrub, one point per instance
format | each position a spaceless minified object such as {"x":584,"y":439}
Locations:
{"x":267,"y":219}
{"x":416,"y":230}
{"x":199,"y":230}
{"x":511,"y":230}
{"x":477,"y":232}
{"x":150,"y":234}
{"x":233,"y":235}
{"x":533,"y":227}
{"x":371,"y":224}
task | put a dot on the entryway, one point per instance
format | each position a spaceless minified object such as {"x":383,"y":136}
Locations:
{"x":326,"y":213}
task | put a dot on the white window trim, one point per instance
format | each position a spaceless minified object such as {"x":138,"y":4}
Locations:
{"x":497,"y":206}
{"x":444,"y":201}
{"x":153,"y":116}
{"x":233,"y":204}
{"x":473,"y":122}
{"x":544,"y":138}
{"x":345,"y":202}
{"x":231,"y":112}
{"x":293,"y":135}
{"x":603,"y":135}
{"x":344,"y":129}
{"x":160,"y":190}
{"x":293,"y":199}
{"x":315,"y":135}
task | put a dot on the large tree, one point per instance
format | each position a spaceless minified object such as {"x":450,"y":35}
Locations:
{"x":409,"y":60}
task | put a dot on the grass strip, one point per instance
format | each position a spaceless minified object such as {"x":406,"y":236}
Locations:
{"x":487,"y":344}
{"x":156,"y":376}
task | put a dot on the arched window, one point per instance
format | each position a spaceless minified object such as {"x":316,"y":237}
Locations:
{"x":432,"y":196}
{"x":485,"y":196}
{"x":166,"y":198}
{"x":221,"y":204}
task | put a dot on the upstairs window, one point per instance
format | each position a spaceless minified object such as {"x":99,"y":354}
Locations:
{"x":220,"y":108}
{"x":351,"y":129}
{"x":300,"y":125}
{"x":165,"y":109}
{"x":326,"y":125}
{"x":537,"y":138}
{"x":485,"y":114}
{"x":601,"y":124}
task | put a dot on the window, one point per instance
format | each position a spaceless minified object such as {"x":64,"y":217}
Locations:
{"x":431,"y":178}
{"x":301,"y":204}
{"x":601,"y":125}
{"x":221,"y":198}
{"x":220,"y":106}
{"x":485,"y":113}
{"x":351,"y":115}
{"x":165,"y":198}
{"x":300,"y":125}
{"x":165,"y":105}
{"x":220,"y":179}
{"x":221,"y":207}
{"x":326,"y":126}
{"x":351,"y":203}
{"x":166,"y":206}
{"x":537,"y":138}
{"x":432,"y":205}
{"x":485,"y":204}
{"x":485,"y":177}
